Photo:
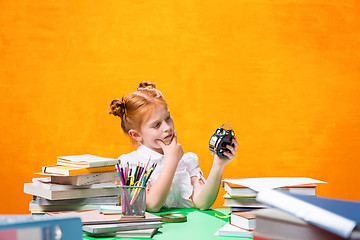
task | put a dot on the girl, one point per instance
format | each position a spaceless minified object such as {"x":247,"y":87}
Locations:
{"x":177,"y":181}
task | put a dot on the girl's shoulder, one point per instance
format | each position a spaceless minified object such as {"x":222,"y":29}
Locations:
{"x":190,"y":155}
{"x":191,"y":161}
{"x":128,"y":156}
{"x":190,"y":158}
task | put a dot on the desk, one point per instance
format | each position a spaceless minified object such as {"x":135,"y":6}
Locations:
{"x":199,"y":225}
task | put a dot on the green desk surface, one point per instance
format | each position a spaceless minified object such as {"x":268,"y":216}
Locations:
{"x":199,"y":225}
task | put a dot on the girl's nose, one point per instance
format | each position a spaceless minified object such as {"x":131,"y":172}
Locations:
{"x":166,"y":127}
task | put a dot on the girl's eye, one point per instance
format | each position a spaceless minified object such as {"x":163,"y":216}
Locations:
{"x":167,"y":118}
{"x":157,"y":125}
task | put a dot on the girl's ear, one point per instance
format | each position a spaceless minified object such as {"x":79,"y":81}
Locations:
{"x":135,"y":135}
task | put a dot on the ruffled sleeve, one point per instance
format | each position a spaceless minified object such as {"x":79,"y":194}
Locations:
{"x":192,"y":165}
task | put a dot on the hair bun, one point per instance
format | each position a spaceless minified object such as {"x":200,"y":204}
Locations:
{"x":148,"y":85}
{"x":117,"y":107}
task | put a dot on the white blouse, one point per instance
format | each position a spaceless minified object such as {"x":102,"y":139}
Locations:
{"x":181,"y":188}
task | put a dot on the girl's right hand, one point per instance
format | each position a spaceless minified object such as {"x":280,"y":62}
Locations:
{"x":173,"y":149}
{"x":229,"y":155}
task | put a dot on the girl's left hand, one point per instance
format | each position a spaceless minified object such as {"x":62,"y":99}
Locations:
{"x":229,"y":155}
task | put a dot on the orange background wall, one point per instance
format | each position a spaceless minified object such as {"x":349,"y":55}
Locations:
{"x":284,"y":73}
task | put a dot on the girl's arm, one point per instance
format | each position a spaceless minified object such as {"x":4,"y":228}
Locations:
{"x":158,"y":192}
{"x":204,"y":195}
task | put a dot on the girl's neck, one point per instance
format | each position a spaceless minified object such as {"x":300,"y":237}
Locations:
{"x":158,"y":150}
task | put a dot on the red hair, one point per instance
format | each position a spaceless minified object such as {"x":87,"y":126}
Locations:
{"x":137,"y":106}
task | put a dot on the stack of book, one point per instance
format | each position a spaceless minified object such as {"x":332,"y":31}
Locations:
{"x":78,"y":182}
{"x":113,"y":224}
{"x":241,"y":198}
{"x":295,"y":216}
{"x":241,"y":224}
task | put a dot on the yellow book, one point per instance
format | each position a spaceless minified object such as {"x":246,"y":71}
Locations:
{"x":69,"y":171}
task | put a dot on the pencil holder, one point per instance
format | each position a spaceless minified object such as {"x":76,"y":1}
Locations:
{"x":133,"y":201}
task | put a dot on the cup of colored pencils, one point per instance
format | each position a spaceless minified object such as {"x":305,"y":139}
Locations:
{"x":137,"y":207}
{"x":133,"y":181}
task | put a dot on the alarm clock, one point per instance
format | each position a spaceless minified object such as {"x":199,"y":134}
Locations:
{"x":220,"y":139}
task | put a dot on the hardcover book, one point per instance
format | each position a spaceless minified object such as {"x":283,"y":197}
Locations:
{"x":236,"y":190}
{"x":245,"y":220}
{"x":143,"y":233}
{"x":258,"y":184}
{"x":33,"y":189}
{"x":335,"y":215}
{"x":105,"y":200}
{"x":47,"y":184}
{"x":86,"y":161}
{"x":117,"y":227}
{"x":230,"y":230}
{"x":276,"y":224}
{"x":94,"y":217}
{"x":247,"y":202}
{"x":67,"y":170}
{"x":86,"y":179}
{"x":36,"y":208}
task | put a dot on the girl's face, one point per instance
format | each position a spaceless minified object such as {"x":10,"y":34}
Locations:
{"x":160,"y":126}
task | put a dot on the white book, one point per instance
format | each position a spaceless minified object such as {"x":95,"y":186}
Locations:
{"x":95,"y":217}
{"x":33,"y":189}
{"x":110,"y":228}
{"x":86,"y":179}
{"x":106,"y":200}
{"x":143,"y":233}
{"x":241,"y":191}
{"x":36,"y":208}
{"x":46,"y":183}
{"x":245,"y":220}
{"x":86,"y":161}
{"x":230,"y":230}
{"x":249,"y":202}
{"x":258,"y":184}
{"x":60,"y":170}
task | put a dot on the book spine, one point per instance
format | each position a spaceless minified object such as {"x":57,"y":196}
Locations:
{"x":103,"y":163}
{"x":307,"y":212}
{"x":106,"y":200}
{"x":33,"y":189}
{"x":76,"y":170}
{"x":97,"y":178}
{"x":86,"y":179}
{"x":61,"y":187}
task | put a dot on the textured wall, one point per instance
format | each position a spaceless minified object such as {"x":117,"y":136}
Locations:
{"x":285,"y":74}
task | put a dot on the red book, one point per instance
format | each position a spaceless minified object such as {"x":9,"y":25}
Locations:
{"x":245,"y":220}
{"x":257,"y":237}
